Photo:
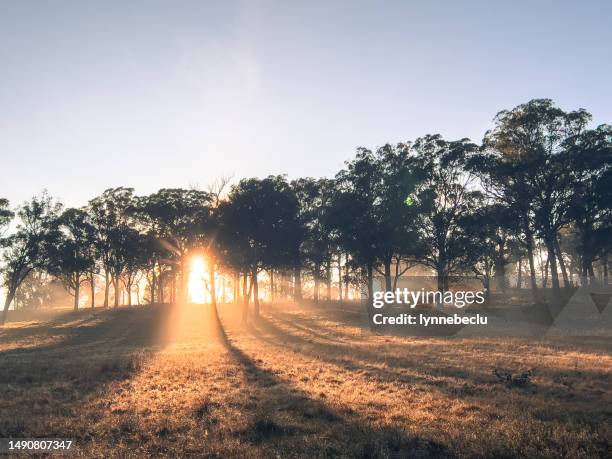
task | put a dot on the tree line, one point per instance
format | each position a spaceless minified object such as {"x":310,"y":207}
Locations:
{"x":534,"y":197}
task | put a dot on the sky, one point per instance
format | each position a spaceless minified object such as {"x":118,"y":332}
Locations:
{"x":153,"y":94}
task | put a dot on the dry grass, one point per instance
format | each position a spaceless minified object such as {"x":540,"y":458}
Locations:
{"x":300,"y":382}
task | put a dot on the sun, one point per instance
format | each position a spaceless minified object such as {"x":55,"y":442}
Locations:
{"x":197,"y":274}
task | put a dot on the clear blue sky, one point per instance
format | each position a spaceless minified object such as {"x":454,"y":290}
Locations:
{"x":154,"y":94}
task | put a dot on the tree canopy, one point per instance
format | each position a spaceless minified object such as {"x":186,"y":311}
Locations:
{"x":537,"y":190}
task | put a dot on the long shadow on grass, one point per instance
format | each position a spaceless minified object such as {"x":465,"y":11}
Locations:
{"x":355,"y":358}
{"x":455,"y":361}
{"x":287,"y":421}
{"x":454,"y":364}
{"x":449,"y":378}
{"x":310,"y":329}
{"x":351,"y":312}
{"x":50,"y":380}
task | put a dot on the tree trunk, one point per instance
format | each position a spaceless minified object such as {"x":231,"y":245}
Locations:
{"x":346,"y":280}
{"x":397,"y":274}
{"x":328,"y":281}
{"x":246,"y":295}
{"x":92,"y":282}
{"x":250,"y":291}
{"x":213,"y":292}
{"x":129,"y":293}
{"x":297,"y":283}
{"x":566,"y":280}
{"x":316,"y":283}
{"x":10,"y":295}
{"x":161,"y":287}
{"x":106,"y":288}
{"x":370,"y":271}
{"x":545,"y":273}
{"x":245,"y":299}
{"x":604,"y":261}
{"x":77,"y":288}
{"x":554,"y":274}
{"x":153,"y":285}
{"x":532,"y":272}
{"x":117,"y":291}
{"x":441,"y":277}
{"x":519,"y":275}
{"x":340,"y":277}
{"x":272,"y":285}
{"x":370,"y":300}
{"x":486,"y":284}
{"x":500,"y":274}
{"x":388,"y":285}
{"x":584,"y":279}
{"x":176,"y":283}
{"x":591,"y":272}
{"x":255,"y":285}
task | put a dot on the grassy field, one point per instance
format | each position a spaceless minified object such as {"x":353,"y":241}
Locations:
{"x":302,"y":381}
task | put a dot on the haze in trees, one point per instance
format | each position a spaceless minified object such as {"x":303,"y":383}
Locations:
{"x":535,"y":193}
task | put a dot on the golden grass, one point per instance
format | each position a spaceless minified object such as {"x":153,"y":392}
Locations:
{"x":300,"y":382}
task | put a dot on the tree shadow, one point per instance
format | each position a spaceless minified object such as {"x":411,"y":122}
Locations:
{"x":348,"y":312}
{"x":310,"y":329}
{"x":288,"y":421}
{"x":453,"y":378}
{"x":353,"y":357}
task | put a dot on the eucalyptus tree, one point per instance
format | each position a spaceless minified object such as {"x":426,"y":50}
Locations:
{"x":235,"y":250}
{"x":305,"y":190}
{"x":136,"y":255}
{"x":527,"y":169}
{"x":369,"y":212}
{"x":498,"y":227}
{"x":351,"y":214}
{"x":69,"y":250}
{"x":505,"y":181}
{"x":38,"y":290}
{"x":125,"y":258}
{"x":590,"y":163}
{"x":152,"y":253}
{"x":325,"y":239}
{"x":399,"y":178}
{"x":259,"y":220}
{"x":25,"y":249}
{"x":444,"y":196}
{"x":209,"y":242}
{"x":148,"y":221}
{"x":175,"y":217}
{"x":314,"y":241}
{"x":6,"y":215}
{"x":350,"y":217}
{"x":490,"y":246}
{"x":109,"y":216}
